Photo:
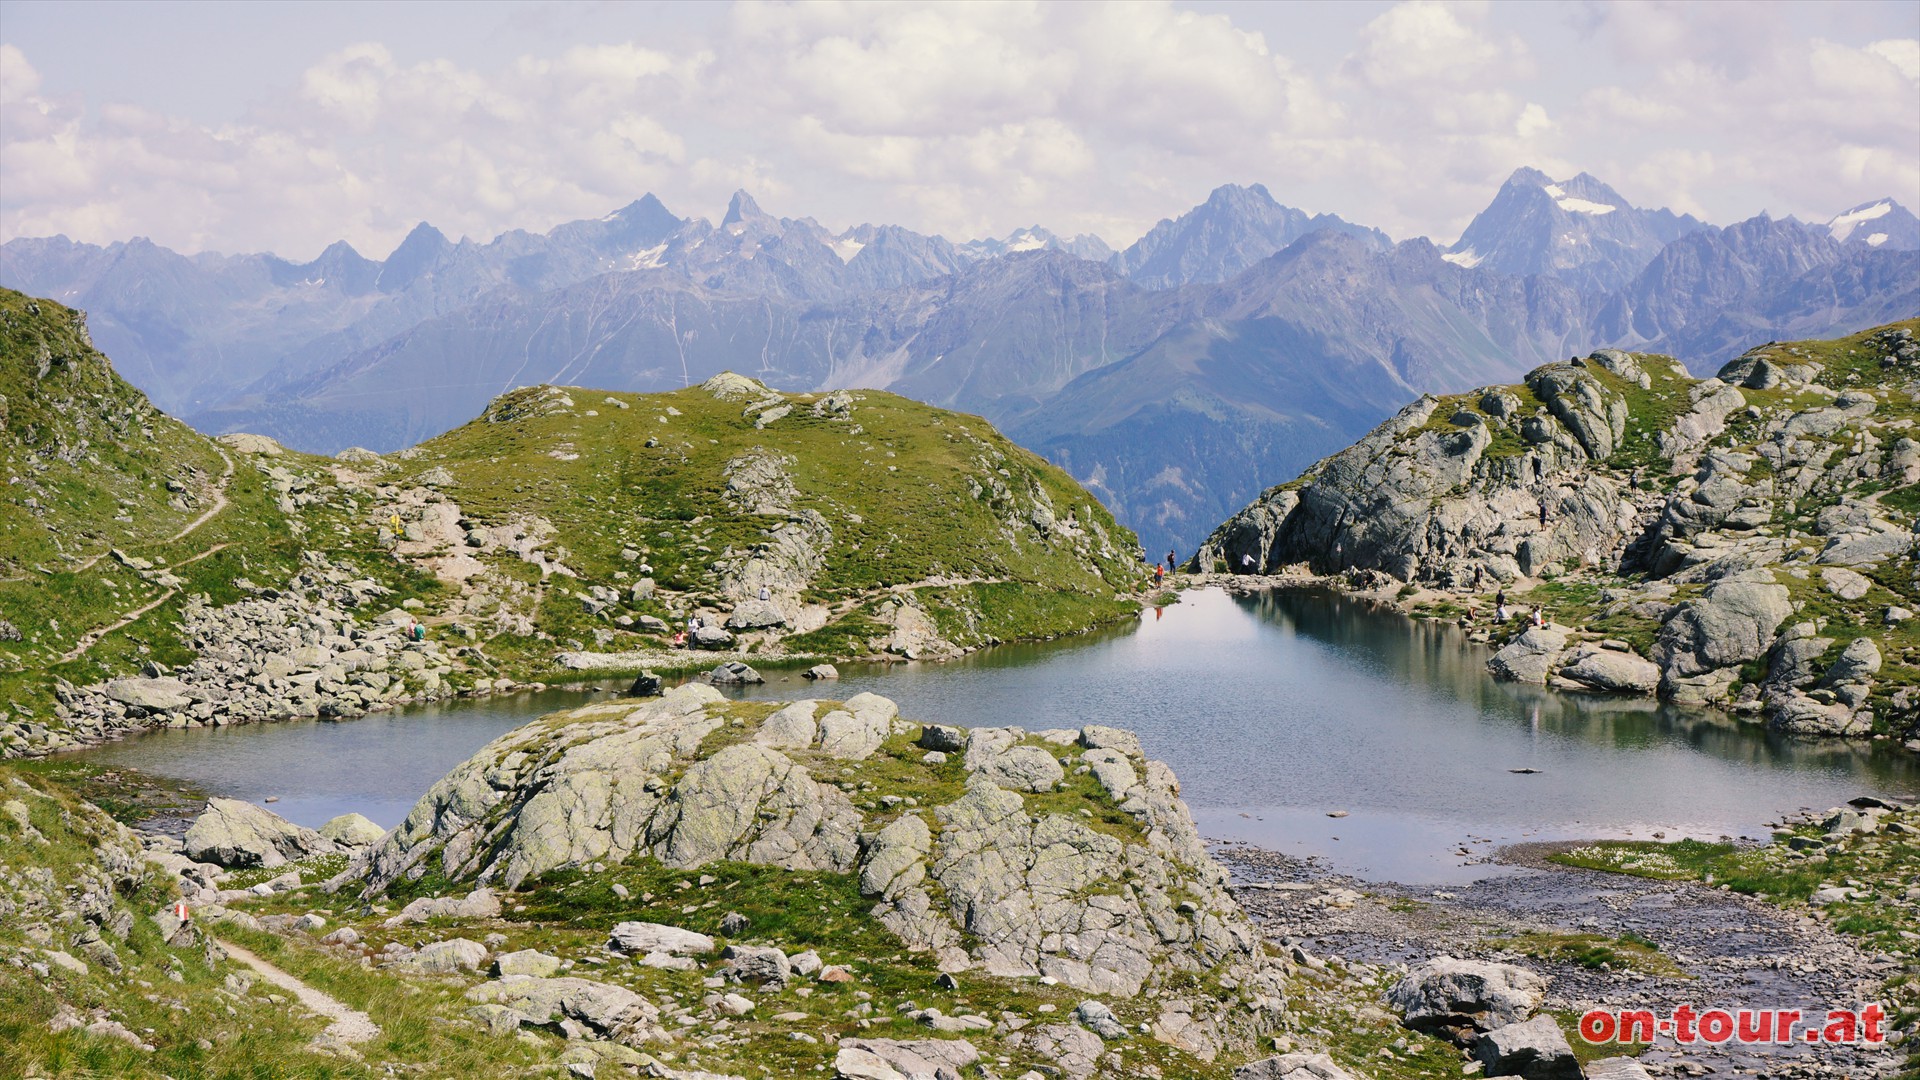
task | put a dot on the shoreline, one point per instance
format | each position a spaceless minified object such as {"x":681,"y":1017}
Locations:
{"x":1394,"y":596}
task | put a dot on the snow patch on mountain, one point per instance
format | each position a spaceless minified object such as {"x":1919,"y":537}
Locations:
{"x":1467,"y":259}
{"x":1583,"y":206}
{"x":1843,"y":226}
{"x":1876,"y":239}
{"x":847,"y":247}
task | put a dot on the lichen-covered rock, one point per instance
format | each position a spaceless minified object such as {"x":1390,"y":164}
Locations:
{"x":1529,"y":658}
{"x":981,"y":880}
{"x":232,"y":833}
{"x":582,"y":1006}
{"x":1731,"y":623}
{"x":1299,"y":1065}
{"x":1453,"y":996}
{"x":352,"y":830}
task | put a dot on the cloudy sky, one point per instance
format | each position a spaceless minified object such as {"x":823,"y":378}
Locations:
{"x":284,"y":126}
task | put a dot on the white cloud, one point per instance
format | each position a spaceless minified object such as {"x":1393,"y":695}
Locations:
{"x":981,"y":117}
{"x":1902,"y":53}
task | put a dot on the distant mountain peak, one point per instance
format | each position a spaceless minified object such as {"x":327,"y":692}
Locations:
{"x":1235,"y":228}
{"x":1879,"y":223}
{"x":742,"y":210}
{"x":1578,"y":229}
{"x":1528,"y":176}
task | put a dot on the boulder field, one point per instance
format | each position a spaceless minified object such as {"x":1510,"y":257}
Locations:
{"x":1063,"y":856}
{"x":1745,"y":540}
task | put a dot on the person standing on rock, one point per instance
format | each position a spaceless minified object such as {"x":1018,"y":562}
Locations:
{"x":1171,"y":566}
{"x":1246,"y":563}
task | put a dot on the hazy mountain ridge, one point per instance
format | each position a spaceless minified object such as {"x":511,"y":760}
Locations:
{"x":1240,"y":339}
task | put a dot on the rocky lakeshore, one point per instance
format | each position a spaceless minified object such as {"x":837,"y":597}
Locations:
{"x":1743,"y":541}
{"x":689,"y":886}
{"x":693,"y":887}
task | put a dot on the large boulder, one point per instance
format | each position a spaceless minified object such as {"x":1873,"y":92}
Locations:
{"x":478,"y":904}
{"x":593,"y":1009}
{"x":1535,"y":1050}
{"x":153,"y":695}
{"x":1529,"y":658}
{"x":352,"y":830}
{"x":1456,"y":997}
{"x":235,"y":834}
{"x":640,"y":938}
{"x":903,"y":1059}
{"x":1610,"y":671}
{"x":1729,"y":624}
{"x":755,"y":615}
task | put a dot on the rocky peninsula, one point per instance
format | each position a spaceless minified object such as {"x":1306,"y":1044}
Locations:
{"x":1744,"y":541}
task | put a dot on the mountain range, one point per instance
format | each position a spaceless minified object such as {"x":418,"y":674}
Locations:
{"x":1228,"y":346}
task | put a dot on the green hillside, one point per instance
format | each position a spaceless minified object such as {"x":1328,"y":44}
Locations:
{"x":563,"y":528}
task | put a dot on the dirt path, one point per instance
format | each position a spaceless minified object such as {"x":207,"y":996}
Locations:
{"x":219,"y":504}
{"x":349,"y":1025}
{"x":219,"y":501}
{"x":92,"y":637}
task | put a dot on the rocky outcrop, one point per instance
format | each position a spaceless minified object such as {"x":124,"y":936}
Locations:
{"x":984,"y":879}
{"x":235,"y":834}
{"x":1704,"y":513}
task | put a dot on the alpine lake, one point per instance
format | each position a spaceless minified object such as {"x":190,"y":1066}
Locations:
{"x":1299,"y":721}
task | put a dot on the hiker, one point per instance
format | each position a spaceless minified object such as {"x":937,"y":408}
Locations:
{"x":1543,"y":513}
{"x":1500,"y":600}
{"x":418,"y":632}
{"x":1159,"y":573}
{"x":765,"y":593}
{"x":1500,"y":612}
{"x":1478,"y":572}
{"x":1246,"y":563}
{"x":680,"y":640}
{"x":1170,"y":562}
{"x":1538,"y":620}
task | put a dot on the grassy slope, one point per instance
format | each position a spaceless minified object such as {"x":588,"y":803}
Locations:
{"x":911,"y":493}
{"x":907,"y":490}
{"x":87,"y":460}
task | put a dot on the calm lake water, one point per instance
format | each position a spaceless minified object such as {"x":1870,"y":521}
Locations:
{"x":1275,"y":710}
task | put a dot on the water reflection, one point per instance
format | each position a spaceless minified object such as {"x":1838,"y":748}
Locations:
{"x":1274,"y":709}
